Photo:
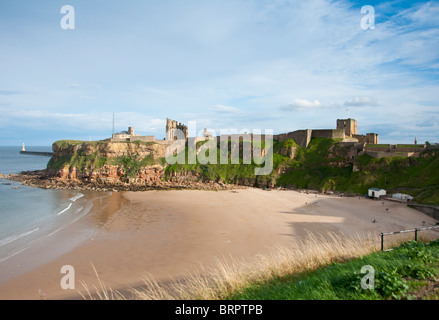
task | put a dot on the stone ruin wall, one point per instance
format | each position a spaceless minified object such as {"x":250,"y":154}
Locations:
{"x":302,"y":137}
{"x":175,"y":130}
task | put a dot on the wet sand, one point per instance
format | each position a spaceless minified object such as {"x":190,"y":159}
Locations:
{"x":168,"y":234}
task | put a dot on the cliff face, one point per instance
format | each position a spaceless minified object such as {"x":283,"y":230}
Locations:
{"x":112,"y":174}
{"x":142,"y":163}
{"x":107,"y":163}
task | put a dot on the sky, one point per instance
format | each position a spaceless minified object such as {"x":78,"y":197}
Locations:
{"x":226,"y":64}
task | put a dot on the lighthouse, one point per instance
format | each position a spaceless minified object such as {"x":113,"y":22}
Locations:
{"x":23,"y":148}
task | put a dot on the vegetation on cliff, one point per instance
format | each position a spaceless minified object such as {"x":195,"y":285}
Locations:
{"x":230,"y":173}
{"x":318,"y":167}
{"x":415,"y":176}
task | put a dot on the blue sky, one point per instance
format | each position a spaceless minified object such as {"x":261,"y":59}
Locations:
{"x":242,"y":64}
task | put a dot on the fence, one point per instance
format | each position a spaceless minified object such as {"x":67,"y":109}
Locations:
{"x":416,"y":230}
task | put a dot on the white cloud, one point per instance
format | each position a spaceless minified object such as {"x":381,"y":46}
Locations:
{"x":361,"y":102}
{"x":302,"y":104}
{"x":222,"y":108}
{"x":73,"y":85}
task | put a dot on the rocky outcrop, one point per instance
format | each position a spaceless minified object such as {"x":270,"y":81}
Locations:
{"x":106,"y":162}
{"x":40,"y":179}
{"x":111,"y":174}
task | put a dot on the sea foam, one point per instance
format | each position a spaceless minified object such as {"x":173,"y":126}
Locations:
{"x":78,"y":196}
{"x":16,"y":237}
{"x":68,"y":207}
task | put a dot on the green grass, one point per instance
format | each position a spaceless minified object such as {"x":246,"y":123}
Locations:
{"x":62,"y":144}
{"x":132,"y":165}
{"x":378,"y":145}
{"x":427,"y":195}
{"x":410,"y":145}
{"x":398,"y":274}
{"x":311,"y":169}
{"x":288,"y":143}
{"x":58,"y":163}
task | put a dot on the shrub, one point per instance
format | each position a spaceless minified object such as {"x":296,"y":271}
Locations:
{"x":391,"y":285}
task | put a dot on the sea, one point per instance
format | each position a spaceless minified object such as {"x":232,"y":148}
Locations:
{"x":28,"y":215}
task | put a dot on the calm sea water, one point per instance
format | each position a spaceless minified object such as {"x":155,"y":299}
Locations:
{"x":27,"y":214}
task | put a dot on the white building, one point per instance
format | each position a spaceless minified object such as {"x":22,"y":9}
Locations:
{"x":376,"y":192}
{"x":402,"y":196}
{"x":130,"y":136}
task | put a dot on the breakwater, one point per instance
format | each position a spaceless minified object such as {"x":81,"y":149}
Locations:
{"x":37,"y":153}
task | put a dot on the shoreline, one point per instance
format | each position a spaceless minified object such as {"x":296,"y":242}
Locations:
{"x":41,"y":179}
{"x":168,"y":235}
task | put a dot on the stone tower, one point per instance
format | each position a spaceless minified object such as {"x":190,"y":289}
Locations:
{"x":175,"y":130}
{"x":348,"y":125}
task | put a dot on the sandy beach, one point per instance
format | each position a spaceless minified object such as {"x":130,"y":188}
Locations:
{"x":168,"y":234}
